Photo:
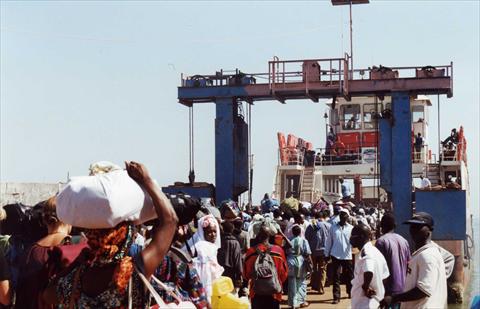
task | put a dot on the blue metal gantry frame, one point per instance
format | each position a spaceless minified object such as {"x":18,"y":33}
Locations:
{"x":231,"y":150}
{"x":396,"y":158}
{"x":448,"y":208}
{"x":231,"y":146}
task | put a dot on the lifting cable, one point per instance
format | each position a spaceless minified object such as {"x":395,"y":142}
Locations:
{"x":191,"y":174}
{"x":250,"y":156}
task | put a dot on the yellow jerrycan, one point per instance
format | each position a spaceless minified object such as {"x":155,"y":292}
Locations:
{"x":222,"y":297}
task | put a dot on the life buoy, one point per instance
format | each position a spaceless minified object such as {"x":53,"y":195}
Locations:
{"x":339,"y":148}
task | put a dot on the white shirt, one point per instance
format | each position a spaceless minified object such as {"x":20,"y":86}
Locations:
{"x":425,"y":183}
{"x":338,"y":241}
{"x":426,"y":270}
{"x":370,"y":259}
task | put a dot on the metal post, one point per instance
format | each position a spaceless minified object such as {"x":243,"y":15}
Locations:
{"x":226,"y":108}
{"x":438,"y":128}
{"x":350,"y":3}
{"x":351,"y":42}
{"x":385,"y":147}
{"x":401,"y":160}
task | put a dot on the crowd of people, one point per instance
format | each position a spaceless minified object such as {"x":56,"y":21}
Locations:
{"x":275,"y":249}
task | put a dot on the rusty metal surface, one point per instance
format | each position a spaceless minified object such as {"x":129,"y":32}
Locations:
{"x":290,"y":91}
{"x":314,"y":79}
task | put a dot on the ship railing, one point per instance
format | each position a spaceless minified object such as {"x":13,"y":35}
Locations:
{"x":326,"y":156}
{"x":360,"y":154}
{"x":320,"y":156}
{"x":449,"y":155}
{"x":422,"y":155}
{"x":291,"y":156}
{"x":455,"y":151}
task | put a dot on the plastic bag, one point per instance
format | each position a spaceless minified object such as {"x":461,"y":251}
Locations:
{"x":103,"y":201}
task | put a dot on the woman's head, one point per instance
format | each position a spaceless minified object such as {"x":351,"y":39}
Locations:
{"x":49,"y":212}
{"x":110,"y":245}
{"x":50,"y":218}
{"x":210,"y":233}
{"x":209,"y":228}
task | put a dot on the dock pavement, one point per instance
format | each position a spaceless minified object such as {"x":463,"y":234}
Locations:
{"x":318,"y":301}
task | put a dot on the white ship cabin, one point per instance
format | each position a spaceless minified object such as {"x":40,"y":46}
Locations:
{"x":351,"y":149}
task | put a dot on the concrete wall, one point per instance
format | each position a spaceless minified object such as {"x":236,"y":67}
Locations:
{"x":27,"y":193}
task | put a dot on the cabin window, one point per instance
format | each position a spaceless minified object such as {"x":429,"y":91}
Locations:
{"x":369,"y":111}
{"x":418,"y":113}
{"x":350,"y":116}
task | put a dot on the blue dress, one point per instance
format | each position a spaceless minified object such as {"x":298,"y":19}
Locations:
{"x":297,"y":271}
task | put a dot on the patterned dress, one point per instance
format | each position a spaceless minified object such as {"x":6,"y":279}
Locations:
{"x":110,"y":298}
{"x":183,"y":279}
{"x":108,"y":247}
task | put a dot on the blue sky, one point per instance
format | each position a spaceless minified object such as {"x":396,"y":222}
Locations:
{"x":89,"y":81}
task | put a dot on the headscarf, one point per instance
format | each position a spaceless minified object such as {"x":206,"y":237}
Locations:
{"x":112,"y":246}
{"x":204,"y":222}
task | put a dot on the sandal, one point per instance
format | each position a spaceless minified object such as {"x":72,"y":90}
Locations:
{"x":305,"y":304}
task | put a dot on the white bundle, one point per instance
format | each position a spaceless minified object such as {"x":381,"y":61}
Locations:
{"x":103,"y":201}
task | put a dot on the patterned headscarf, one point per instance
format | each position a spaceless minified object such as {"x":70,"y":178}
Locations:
{"x":112,"y":246}
{"x":209,"y":221}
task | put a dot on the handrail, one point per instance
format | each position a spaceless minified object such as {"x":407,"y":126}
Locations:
{"x":291,"y":155}
{"x":455,"y":154}
{"x":458,"y":151}
{"x":348,"y":155}
{"x":302,"y":60}
{"x":312,"y":70}
{"x":448,"y":71}
{"x":327,"y":73}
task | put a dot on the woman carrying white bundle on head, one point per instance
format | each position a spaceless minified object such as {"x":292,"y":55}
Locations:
{"x":104,"y":276}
